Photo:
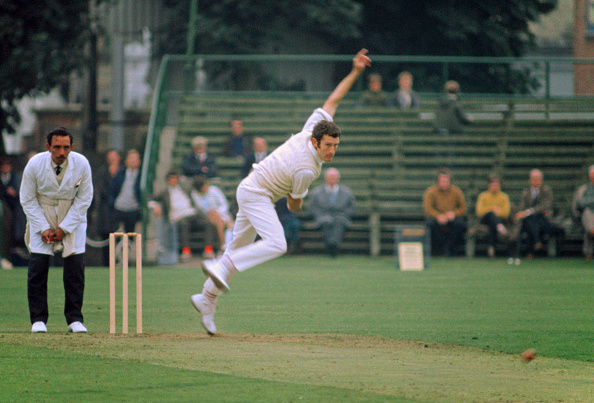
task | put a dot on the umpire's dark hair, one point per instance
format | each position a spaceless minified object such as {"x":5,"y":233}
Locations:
{"x":58,"y":131}
{"x":325,"y":128}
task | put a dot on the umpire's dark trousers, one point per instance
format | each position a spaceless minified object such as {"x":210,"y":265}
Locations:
{"x":74,"y":286}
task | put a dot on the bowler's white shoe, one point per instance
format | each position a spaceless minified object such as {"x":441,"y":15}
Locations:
{"x":77,"y":327}
{"x":38,"y":327}
{"x":214,"y":270}
{"x":207,"y":311}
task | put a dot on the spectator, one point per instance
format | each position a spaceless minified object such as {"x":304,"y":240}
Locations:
{"x":332,"y":206}
{"x":124,"y":193}
{"x":492,"y":209}
{"x":56,"y":191}
{"x":238,"y":144}
{"x":536,"y":205}
{"x":374,"y":95}
{"x":199,"y":161}
{"x":259,"y":153}
{"x":449,"y":117}
{"x":175,"y":205}
{"x":105,"y":222}
{"x":583,"y":210}
{"x":445,"y":209}
{"x":405,"y":97}
{"x":14,"y":219}
{"x":291,"y":225}
{"x":212,"y":202}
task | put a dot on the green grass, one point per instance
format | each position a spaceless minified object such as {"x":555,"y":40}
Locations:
{"x":62,"y":376}
{"x":345,"y":325}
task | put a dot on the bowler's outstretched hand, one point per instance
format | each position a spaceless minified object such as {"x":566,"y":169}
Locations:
{"x":361,"y":61}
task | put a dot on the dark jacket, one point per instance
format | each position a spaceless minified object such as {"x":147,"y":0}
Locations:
{"x":449,"y":117}
{"x":15,"y":183}
{"x":247,"y":146}
{"x":116,"y":187}
{"x":250,"y":159}
{"x":543,"y":203}
{"x":192,"y":166}
{"x":105,"y":223}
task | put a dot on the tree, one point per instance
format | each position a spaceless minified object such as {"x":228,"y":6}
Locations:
{"x":256,"y":26}
{"x":41,"y":43}
{"x":457,"y":28}
{"x":249,"y":26}
{"x":396,"y":27}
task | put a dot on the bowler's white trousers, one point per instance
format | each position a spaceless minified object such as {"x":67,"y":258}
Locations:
{"x":256,"y":216}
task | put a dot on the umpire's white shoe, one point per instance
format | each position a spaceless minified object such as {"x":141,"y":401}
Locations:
{"x":38,"y":327}
{"x":214,"y":270}
{"x":77,"y":327}
{"x":207,"y":311}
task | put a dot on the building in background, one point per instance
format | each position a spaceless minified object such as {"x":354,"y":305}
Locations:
{"x":583,"y":46}
{"x":554,"y":39}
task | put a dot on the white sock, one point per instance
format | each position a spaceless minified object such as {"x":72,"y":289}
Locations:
{"x":210,"y":290}
{"x":229,"y":269}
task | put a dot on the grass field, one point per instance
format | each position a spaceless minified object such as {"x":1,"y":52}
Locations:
{"x":310,"y":328}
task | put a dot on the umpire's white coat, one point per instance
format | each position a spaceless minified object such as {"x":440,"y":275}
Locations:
{"x":40,"y":179}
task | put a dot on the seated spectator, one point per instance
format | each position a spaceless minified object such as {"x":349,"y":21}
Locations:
{"x":291,"y":224}
{"x":199,"y":161}
{"x":492,"y":209}
{"x":536,"y":206}
{"x":374,"y":95}
{"x":332,"y":206}
{"x":124,"y":193}
{"x":238,"y":143}
{"x":175,"y":205}
{"x":445,"y":209}
{"x":583,"y":210}
{"x":449,"y":116}
{"x":260,"y":151}
{"x":211,"y":201}
{"x":405,"y":97}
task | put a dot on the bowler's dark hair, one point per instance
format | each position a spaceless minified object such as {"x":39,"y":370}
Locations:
{"x":325,"y":128}
{"x":58,"y":131}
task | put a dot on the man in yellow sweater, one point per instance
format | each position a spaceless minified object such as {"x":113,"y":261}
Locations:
{"x":445,"y":209}
{"x":492,"y":208}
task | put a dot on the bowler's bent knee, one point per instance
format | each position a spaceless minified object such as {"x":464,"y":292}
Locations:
{"x":277,"y":246}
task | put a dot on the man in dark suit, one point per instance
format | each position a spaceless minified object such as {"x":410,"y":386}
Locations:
{"x":199,"y":161}
{"x":124,"y":193}
{"x":260,"y":152}
{"x":536,"y":205}
{"x":238,"y":143}
{"x":332,"y":206}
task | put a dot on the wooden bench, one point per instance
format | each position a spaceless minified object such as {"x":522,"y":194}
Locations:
{"x":389,"y":157}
